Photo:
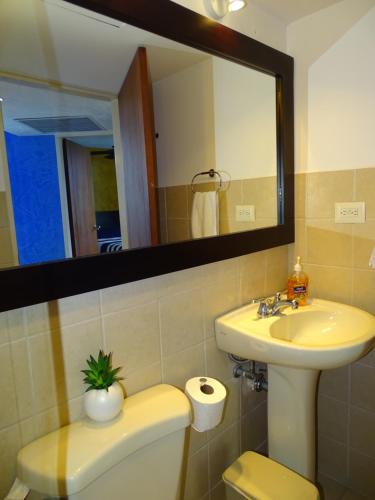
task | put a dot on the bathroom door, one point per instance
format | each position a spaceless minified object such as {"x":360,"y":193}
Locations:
{"x":80,"y":196}
{"x":138,"y":144}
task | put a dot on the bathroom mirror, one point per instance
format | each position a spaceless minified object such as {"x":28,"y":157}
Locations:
{"x":206,"y":175}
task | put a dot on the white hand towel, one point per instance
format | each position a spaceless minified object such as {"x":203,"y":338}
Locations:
{"x":205,"y":214}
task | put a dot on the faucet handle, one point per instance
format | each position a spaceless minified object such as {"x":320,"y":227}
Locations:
{"x":279,"y":294}
{"x":259,"y":300}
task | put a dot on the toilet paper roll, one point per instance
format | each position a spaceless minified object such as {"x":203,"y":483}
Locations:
{"x":19,"y":491}
{"x":207,"y":396}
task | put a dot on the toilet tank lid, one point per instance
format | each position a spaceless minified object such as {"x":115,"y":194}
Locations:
{"x":65,"y":461}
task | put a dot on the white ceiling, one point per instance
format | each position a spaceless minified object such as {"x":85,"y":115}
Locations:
{"x":291,"y":10}
{"x":54,"y":40}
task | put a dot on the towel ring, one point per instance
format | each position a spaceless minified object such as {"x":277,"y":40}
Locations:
{"x":211,"y":173}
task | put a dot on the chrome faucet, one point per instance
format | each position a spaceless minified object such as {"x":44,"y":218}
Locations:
{"x":272,"y":307}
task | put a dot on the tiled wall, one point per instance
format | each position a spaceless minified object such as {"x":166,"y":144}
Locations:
{"x":336,"y":258}
{"x":175,"y":206}
{"x":6,"y":255}
{"x":160,"y":329}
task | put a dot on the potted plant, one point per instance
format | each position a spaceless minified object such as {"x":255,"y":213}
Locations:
{"x":104,"y":396}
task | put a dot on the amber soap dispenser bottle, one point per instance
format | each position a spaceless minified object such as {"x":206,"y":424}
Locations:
{"x":298,"y":283}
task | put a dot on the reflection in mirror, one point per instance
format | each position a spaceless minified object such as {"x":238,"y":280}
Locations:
{"x":116,"y":138}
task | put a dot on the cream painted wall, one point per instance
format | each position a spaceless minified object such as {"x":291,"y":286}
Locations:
{"x":215,"y":114}
{"x":252,"y":21}
{"x":324,"y":45}
{"x":245,"y":121}
{"x":184,"y":120}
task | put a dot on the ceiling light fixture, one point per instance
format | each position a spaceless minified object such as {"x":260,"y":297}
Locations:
{"x":219,"y":8}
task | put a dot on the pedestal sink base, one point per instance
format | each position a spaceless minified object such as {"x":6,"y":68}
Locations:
{"x":291,"y":417}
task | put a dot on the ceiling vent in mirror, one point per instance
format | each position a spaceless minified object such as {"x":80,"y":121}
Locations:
{"x":54,"y":124}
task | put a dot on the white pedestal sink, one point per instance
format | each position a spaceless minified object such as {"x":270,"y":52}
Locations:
{"x":296,"y":346}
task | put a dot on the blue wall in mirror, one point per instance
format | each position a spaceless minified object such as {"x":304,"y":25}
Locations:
{"x":36,"y":197}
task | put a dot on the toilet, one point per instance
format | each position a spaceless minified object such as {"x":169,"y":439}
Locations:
{"x":256,"y":477}
{"x":139,"y":455}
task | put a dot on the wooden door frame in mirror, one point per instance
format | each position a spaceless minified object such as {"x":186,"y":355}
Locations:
{"x":26,"y":285}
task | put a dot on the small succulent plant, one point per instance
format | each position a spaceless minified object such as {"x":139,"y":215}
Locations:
{"x":100,"y":375}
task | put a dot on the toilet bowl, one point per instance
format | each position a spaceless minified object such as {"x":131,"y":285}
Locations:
{"x":137,"y":455}
{"x":256,"y":477}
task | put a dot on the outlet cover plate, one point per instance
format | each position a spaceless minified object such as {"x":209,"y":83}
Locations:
{"x":245,"y":213}
{"x":350,"y":212}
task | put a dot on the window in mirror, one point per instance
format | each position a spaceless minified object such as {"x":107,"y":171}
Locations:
{"x":106,"y":127}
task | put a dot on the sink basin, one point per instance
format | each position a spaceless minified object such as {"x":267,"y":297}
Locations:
{"x":320,"y":335}
{"x":296,"y":345}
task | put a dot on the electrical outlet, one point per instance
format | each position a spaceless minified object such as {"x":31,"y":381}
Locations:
{"x":245,"y":213}
{"x":350,"y":212}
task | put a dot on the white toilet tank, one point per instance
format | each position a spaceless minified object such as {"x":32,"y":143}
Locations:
{"x":137,"y":456}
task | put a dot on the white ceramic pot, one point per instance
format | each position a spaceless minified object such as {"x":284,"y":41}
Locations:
{"x":102,"y":405}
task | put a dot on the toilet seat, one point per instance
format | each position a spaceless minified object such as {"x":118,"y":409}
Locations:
{"x":259,"y":478}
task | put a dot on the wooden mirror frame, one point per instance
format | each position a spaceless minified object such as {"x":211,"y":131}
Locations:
{"x":32,"y":284}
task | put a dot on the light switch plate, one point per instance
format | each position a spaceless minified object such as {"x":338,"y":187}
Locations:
{"x":245,"y":213}
{"x":350,"y":212}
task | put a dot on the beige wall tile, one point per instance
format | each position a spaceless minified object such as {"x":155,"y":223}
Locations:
{"x":78,"y":308}
{"x":43,"y":372}
{"x":335,"y":383}
{"x":363,"y":243}
{"x":364,"y":290}
{"x":299,"y":247}
{"x":332,"y":459}
{"x":129,"y":295}
{"x":254,"y":430}
{"x":8,"y":407}
{"x":22,"y":378}
{"x":223,"y":450}
{"x":4,"y":337}
{"x":162,"y":206}
{"x":10,"y":443}
{"x":231,"y":408}
{"x":4,"y":219}
{"x":195,"y":440}
{"x":139,"y":380}
{"x":324,"y":189}
{"x":178,"y":230}
{"x":331,"y":283}
{"x":16,"y":324}
{"x":276,"y":269}
{"x":176,"y":202}
{"x":218,"y":299}
{"x":218,"y":364}
{"x":197,"y":475}
{"x":262,"y":193}
{"x":229,"y":198}
{"x":181,"y":321}
{"x":361,"y":474}
{"x":365,"y":182}
{"x":300,"y":195}
{"x":332,"y":490}
{"x":37,"y":319}
{"x":362,"y":436}
{"x":362,"y":386}
{"x":224,"y":492}
{"x":6,"y":252}
{"x":332,"y":419}
{"x":328,"y":243}
{"x":369,"y":359}
{"x":253,"y":276}
{"x":88,"y":335}
{"x":133,"y":336}
{"x":178,"y":368}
